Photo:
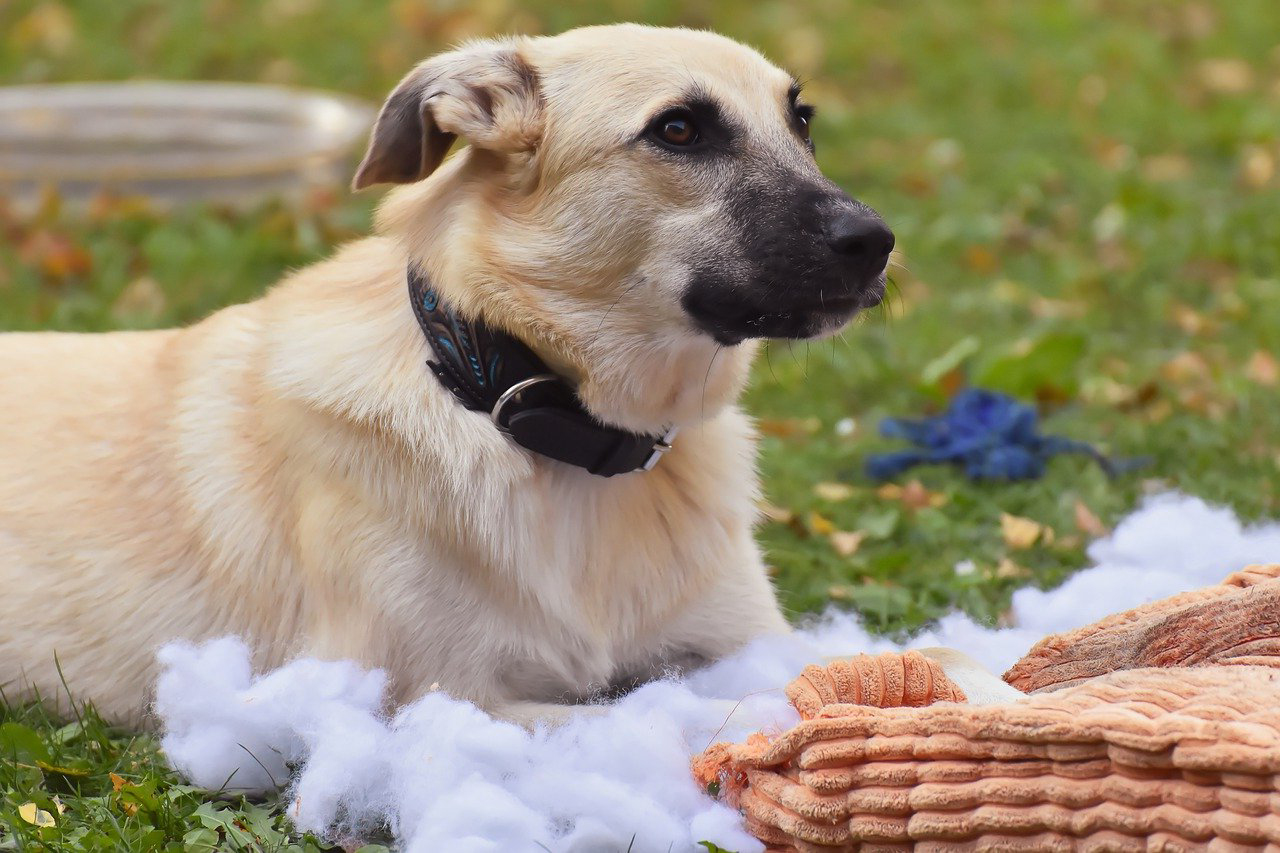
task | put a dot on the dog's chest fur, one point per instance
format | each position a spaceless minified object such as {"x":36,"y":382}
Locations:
{"x":465,"y":551}
{"x":557,"y":582}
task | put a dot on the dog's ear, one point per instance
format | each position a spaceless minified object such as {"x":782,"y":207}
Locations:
{"x":486,"y":93}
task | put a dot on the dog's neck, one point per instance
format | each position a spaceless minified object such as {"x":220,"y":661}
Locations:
{"x":630,"y":376}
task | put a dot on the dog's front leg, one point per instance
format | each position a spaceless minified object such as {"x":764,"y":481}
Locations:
{"x":738,"y":607}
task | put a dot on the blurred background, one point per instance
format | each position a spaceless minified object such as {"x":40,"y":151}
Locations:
{"x":1084,"y":193}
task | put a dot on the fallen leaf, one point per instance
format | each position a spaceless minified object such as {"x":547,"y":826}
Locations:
{"x":952,"y":383}
{"x":1105,"y":391}
{"x":118,"y":784}
{"x":1190,"y":320}
{"x":1162,"y":168}
{"x":833,"y":492}
{"x":1070,"y":542}
{"x":980,"y":259}
{"x":1159,"y":411}
{"x":889,"y":492}
{"x":1109,"y":222}
{"x":1257,"y":166}
{"x":846,"y":544}
{"x":820,"y":525}
{"x":1185,"y":366}
{"x":1009,"y":569}
{"x":55,"y":255}
{"x":916,"y":496}
{"x":1092,"y":90}
{"x":944,"y":153}
{"x":141,"y":298}
{"x":1199,"y":20}
{"x":913,"y":495}
{"x":838,"y":592}
{"x":1263,"y":368}
{"x":49,"y":26}
{"x":918,"y":184}
{"x":1088,"y":522}
{"x":63,"y":771}
{"x":1204,"y":401}
{"x":1226,"y":76}
{"x":1043,"y":308}
{"x":1019,"y":532}
{"x":35,"y":815}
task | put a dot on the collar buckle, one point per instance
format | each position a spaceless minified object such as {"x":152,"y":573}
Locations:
{"x":660,"y":449}
{"x":511,"y":393}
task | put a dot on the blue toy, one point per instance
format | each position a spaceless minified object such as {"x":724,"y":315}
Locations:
{"x":991,"y":434}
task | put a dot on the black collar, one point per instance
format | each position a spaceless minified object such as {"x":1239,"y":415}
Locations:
{"x":489,"y":371}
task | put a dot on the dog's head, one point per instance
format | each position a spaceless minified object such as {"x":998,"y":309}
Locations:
{"x":632,"y":199}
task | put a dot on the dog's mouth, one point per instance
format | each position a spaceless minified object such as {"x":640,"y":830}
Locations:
{"x":732,"y":321}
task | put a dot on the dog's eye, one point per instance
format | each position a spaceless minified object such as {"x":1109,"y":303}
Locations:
{"x":804,"y":116}
{"x":676,"y":128}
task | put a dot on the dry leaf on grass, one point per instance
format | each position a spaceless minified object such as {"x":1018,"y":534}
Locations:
{"x":55,"y":255}
{"x":142,"y":297}
{"x":36,"y":816}
{"x":1226,"y":76}
{"x":820,"y":524}
{"x":1257,"y":167}
{"x":913,"y":495}
{"x":1191,"y":321}
{"x":846,"y":544}
{"x":1009,"y":569}
{"x":1088,"y":522}
{"x":1186,"y":366}
{"x":1020,"y":533}
{"x":1263,"y":368}
{"x":833,"y":491}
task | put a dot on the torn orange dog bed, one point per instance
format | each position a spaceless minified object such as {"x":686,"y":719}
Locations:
{"x":1158,"y":728}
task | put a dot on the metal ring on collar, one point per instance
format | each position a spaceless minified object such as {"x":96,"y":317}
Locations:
{"x":514,"y":390}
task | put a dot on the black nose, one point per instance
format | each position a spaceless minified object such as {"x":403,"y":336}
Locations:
{"x":860,"y":235}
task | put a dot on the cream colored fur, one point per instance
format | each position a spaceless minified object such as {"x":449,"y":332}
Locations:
{"x":290,"y":471}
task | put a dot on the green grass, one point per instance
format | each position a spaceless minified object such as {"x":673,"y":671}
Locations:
{"x":81,"y":785}
{"x":1085,"y":199}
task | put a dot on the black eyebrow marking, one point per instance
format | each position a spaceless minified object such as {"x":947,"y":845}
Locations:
{"x":804,"y":111}
{"x":717,"y":128}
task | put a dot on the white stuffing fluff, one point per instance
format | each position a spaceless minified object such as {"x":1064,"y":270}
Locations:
{"x":444,"y":776}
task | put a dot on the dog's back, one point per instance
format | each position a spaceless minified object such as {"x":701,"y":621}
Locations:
{"x":82,"y":488}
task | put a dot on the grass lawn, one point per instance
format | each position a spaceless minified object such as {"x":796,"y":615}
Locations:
{"x":1085,"y":197}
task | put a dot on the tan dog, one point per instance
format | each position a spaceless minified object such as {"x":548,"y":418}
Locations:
{"x":637,"y":205}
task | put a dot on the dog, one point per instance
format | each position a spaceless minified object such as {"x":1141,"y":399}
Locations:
{"x":634,"y":208}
